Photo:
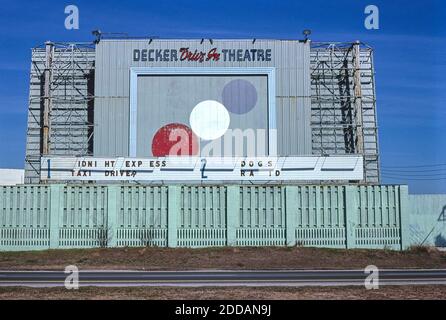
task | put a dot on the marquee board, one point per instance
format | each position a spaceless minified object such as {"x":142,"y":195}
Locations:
{"x":202,"y":169}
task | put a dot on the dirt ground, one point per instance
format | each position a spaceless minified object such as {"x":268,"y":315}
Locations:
{"x":221,"y":258}
{"x":237,"y":293}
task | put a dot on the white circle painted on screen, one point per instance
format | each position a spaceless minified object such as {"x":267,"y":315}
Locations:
{"x":209,"y":120}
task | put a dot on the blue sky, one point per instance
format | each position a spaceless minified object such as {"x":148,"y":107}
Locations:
{"x":409,"y":60}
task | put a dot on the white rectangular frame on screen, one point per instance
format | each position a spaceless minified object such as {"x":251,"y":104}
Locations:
{"x":139,"y":71}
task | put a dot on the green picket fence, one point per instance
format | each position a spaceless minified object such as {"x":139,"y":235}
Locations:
{"x":35,"y":217}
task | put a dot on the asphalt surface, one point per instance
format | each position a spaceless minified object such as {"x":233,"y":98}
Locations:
{"x":223,"y":278}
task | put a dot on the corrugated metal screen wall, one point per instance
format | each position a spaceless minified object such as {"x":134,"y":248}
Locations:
{"x":293,"y":104}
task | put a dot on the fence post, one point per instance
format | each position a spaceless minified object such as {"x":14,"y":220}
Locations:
{"x":291,"y":196}
{"x":56,"y":196}
{"x":173,"y":212}
{"x":351,"y":207}
{"x":232,"y":212}
{"x":404,"y":217}
{"x":113,"y":196}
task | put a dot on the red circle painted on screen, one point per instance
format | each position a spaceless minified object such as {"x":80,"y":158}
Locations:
{"x":174,"y":139}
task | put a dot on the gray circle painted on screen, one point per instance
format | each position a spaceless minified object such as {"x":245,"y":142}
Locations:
{"x":239,"y":96}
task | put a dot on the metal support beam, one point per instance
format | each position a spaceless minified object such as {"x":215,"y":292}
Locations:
{"x":358,"y":98}
{"x":49,"y":49}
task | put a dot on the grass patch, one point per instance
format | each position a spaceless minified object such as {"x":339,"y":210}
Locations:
{"x":222,"y":258}
{"x":233,"y":293}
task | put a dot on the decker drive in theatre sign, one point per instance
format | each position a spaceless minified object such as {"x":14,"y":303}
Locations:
{"x":187,"y":54}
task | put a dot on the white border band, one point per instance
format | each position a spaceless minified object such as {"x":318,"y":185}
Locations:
{"x":137,"y":71}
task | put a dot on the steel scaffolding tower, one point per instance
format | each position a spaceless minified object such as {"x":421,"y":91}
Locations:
{"x":343,"y":103}
{"x":60,"y":112}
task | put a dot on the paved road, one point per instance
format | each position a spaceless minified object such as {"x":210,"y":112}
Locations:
{"x":222,"y":278}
